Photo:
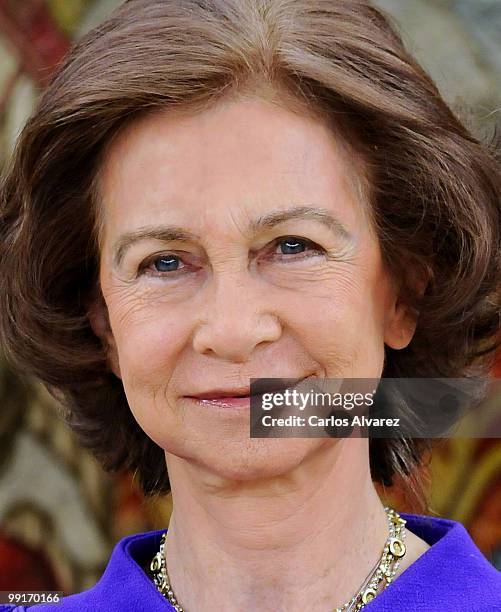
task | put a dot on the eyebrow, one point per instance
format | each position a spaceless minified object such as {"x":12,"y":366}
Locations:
{"x":171,"y":233}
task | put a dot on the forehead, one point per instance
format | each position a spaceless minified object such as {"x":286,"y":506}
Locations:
{"x":240,"y":157}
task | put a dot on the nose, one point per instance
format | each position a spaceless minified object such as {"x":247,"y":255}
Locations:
{"x":237,"y":318}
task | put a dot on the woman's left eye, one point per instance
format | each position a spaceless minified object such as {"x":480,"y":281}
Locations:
{"x":292,"y":245}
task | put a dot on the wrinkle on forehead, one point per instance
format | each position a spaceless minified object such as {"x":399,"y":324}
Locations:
{"x":355,"y":170}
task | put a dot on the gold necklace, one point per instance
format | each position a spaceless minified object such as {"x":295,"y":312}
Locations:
{"x":382,"y":573}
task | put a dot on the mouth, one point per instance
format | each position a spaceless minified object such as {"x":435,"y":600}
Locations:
{"x":241,"y":396}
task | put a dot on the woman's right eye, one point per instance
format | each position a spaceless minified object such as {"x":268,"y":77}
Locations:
{"x":162,"y":265}
{"x":166,"y":263}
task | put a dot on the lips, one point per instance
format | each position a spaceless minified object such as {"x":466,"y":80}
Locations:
{"x":270,"y":385}
{"x":220,"y":393}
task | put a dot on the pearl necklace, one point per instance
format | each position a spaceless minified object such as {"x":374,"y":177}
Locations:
{"x":383,"y":573}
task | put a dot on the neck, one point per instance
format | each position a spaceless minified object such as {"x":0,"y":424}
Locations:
{"x":306,"y":539}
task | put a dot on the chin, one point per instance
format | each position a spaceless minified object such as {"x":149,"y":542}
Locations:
{"x":257,"y":458}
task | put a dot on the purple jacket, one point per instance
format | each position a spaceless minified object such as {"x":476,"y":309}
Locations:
{"x":450,"y":576}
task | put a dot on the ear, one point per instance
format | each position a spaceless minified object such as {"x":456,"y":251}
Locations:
{"x":401,"y":320}
{"x":400,"y":326}
{"x":97,"y":313}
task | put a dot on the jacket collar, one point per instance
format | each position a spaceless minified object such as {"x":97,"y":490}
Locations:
{"x":450,"y":574}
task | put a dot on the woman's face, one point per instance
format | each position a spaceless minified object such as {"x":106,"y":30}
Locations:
{"x":213,"y":273}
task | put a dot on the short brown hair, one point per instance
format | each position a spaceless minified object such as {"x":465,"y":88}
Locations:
{"x":434,"y":190}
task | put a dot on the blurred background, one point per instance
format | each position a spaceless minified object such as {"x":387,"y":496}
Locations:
{"x":60,"y":515}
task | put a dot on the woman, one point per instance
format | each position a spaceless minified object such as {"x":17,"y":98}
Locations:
{"x":215,"y":191}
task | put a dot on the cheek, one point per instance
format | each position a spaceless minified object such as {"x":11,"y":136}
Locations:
{"x":341,"y":326}
{"x":148,"y":340}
